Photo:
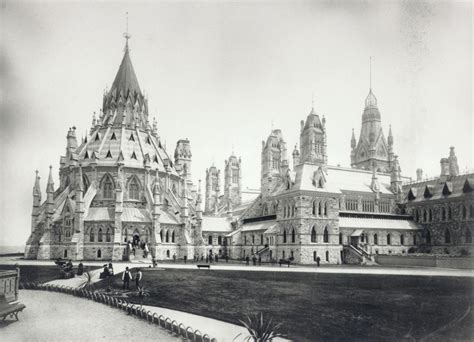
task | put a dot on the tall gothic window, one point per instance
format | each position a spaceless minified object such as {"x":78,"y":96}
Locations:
{"x":447,"y":236}
{"x":402,"y":239}
{"x":376,"y":239}
{"x":325,"y":208}
{"x":235,"y":176}
{"x":443,"y":214}
{"x":320,"y":209}
{"x":314,"y":208}
{"x":326,"y":235}
{"x":340,"y":239}
{"x":389,"y":239}
{"x":91,"y":235}
{"x":100,"y":235}
{"x":313,"y":235}
{"x":464,"y":212}
{"x":209,"y":240}
{"x":219,"y":240}
{"x":134,"y":189}
{"x":293,"y":236}
{"x":167,"y":236}
{"x":108,"y":187}
{"x":428,"y":237}
{"x":284,"y":236}
{"x":468,"y":236}
{"x":172,"y":236}
{"x":107,"y":235}
{"x":450,"y":213}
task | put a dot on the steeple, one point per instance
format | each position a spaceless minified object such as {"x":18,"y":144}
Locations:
{"x":50,"y":186}
{"x":36,"y":188}
{"x":313,"y":139}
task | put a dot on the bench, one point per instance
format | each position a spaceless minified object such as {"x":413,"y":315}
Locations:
{"x":7,"y":309}
{"x":204,"y":266}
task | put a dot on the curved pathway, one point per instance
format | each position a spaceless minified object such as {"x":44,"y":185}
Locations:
{"x":52,"y":316}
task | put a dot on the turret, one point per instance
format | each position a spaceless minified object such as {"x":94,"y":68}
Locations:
{"x":396,"y":179}
{"x":296,"y":156}
{"x":453,"y":163}
{"x":233,"y":180}
{"x":182,"y":158}
{"x":212,"y":183}
{"x":50,"y":192}
{"x":71,"y":145}
{"x":313,"y":140}
{"x":36,"y":201}
{"x":419,"y":175}
{"x":274,"y":160}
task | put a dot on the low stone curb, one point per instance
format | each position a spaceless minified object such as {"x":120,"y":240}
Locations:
{"x":174,"y":327}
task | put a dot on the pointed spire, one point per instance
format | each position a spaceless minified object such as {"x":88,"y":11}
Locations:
{"x":390,"y":136}
{"x":50,"y":186}
{"x":37,"y":188}
{"x":353,"y":139}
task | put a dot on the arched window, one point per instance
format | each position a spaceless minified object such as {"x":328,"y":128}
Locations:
{"x":428,"y":237}
{"x":99,"y":253}
{"x":91,"y":235}
{"x":293,"y":210}
{"x":168,"y":253}
{"x":314,"y":208}
{"x":167,"y":236}
{"x":414,"y":239}
{"x":253,"y":239}
{"x":314,"y":256}
{"x":464,"y":212}
{"x":261,"y":239}
{"x":471,"y":211}
{"x":161,"y":235}
{"x":172,"y":236}
{"x":209,"y":240}
{"x":284,"y":236}
{"x":402,"y":239}
{"x":134,"y":189}
{"x":447,"y":236}
{"x":443,"y":214}
{"x":468,"y":236}
{"x":325,"y":208}
{"x":389,"y":239}
{"x":65,"y":253}
{"x":59,"y":234}
{"x":245,"y":239}
{"x":107,"y":235}
{"x":313,"y":235}
{"x":430,"y":215}
{"x":376,"y":239}
{"x":327,"y":256}
{"x":450,"y":213}
{"x":326,"y":235}
{"x":108,"y":187}
{"x":99,"y":235}
{"x":340,"y":239}
{"x":219,"y":240}
{"x":320,"y":209}
{"x":425,"y":215}
{"x":417,"y":215}
{"x":293,"y":236}
{"x":284,"y":210}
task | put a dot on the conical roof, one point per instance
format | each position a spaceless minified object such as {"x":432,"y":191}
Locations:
{"x":125,"y":80}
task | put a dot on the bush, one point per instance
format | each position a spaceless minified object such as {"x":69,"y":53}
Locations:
{"x":464,"y":252}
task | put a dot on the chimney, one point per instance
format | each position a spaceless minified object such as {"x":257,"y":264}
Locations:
{"x":419,"y":175}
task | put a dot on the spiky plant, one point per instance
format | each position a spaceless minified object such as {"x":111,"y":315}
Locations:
{"x":260,"y":329}
{"x":142,"y":292}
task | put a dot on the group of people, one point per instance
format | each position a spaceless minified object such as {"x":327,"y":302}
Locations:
{"x":134,"y":244}
{"x":127,"y":276}
{"x":254,"y":260}
{"x":210,"y":258}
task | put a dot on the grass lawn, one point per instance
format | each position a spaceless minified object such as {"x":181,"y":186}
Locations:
{"x":36,"y":273}
{"x":322,"y":306}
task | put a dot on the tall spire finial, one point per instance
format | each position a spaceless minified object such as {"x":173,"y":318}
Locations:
{"x":370,"y":72}
{"x":126,"y":35}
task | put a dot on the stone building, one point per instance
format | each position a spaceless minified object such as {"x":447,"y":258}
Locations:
{"x":444,"y":207}
{"x":117,"y":185}
{"x":315,"y":210}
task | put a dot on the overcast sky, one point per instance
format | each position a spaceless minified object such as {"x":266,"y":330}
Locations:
{"x":219,"y":73}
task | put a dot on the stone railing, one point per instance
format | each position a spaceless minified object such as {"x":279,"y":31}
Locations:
{"x":173,"y":326}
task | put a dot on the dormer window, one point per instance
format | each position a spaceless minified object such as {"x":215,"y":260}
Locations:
{"x":113,"y":137}
{"x":134,"y":156}
{"x":412,"y":194}
{"x":428,"y":192}
{"x":132,"y":138}
{"x":155,"y":159}
{"x":447,"y":188}
{"x":109,"y":155}
{"x":86,"y":156}
{"x":468,"y":184}
{"x":97,"y":137}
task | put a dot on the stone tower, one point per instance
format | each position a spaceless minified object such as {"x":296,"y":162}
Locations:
{"x":372,"y":150}
{"x":274,"y":161}
{"x":233,"y":181}
{"x":313,"y":140}
{"x":212,"y":189}
{"x":182,"y":158}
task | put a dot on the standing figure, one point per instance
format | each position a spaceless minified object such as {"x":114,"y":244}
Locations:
{"x":318,"y":260}
{"x":138,"y":278}
{"x":126,"y":279}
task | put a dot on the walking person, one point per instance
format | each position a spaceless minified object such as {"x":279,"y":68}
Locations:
{"x":138,"y":278}
{"x":126,"y":279}
{"x":247,"y":259}
{"x":318,"y":260}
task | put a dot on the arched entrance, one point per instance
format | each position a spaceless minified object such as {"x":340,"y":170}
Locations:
{"x":136,"y":238}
